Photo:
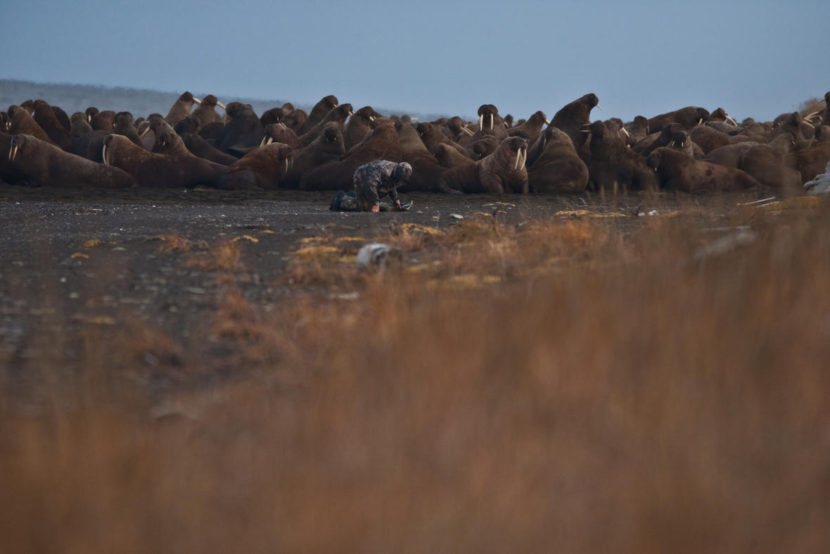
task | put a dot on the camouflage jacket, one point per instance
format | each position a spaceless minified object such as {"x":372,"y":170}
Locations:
{"x":373,"y":181}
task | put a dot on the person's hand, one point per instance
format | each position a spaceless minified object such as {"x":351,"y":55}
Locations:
{"x":376,"y":208}
{"x":398,"y":204}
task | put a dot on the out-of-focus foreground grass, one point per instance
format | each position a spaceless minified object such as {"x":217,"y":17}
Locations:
{"x":556,"y":386}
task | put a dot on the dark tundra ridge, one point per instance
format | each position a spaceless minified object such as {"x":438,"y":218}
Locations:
{"x":203,"y":142}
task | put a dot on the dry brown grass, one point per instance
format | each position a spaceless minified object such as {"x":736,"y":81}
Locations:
{"x":609,"y":391}
{"x":224,"y":256}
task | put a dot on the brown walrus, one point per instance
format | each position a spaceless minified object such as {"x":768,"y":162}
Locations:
{"x":678,"y":171}
{"x":502,"y":171}
{"x":558,"y":168}
{"x":181,"y":108}
{"x":44,"y":164}
{"x":159,"y":170}
{"x":261,"y":168}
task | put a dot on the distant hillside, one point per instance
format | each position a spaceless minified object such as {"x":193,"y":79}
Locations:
{"x":77,"y":98}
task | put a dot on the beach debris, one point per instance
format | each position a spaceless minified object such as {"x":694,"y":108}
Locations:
{"x":379,"y":256}
{"x":820,"y":185}
{"x":727,"y":243}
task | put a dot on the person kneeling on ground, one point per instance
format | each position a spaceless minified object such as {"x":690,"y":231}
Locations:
{"x":373,"y":181}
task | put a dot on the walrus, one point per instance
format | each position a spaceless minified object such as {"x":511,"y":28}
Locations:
{"x":187,"y":125}
{"x":482,"y":144}
{"x":280,"y":132}
{"x":203,"y":149}
{"x":271,"y":116}
{"x":44,"y":164}
{"x":89,"y":146}
{"x":794,"y":125}
{"x":48,"y":121}
{"x":812,"y":159}
{"x":654,"y":141}
{"x":242,"y":131}
{"x":261,"y":168}
{"x":359,"y":125}
{"x":338,"y":115}
{"x":532,"y":127}
{"x":458,"y":128}
{"x":678,"y":171}
{"x":172,"y":145}
{"x":295,"y":119}
{"x":575,"y":117}
{"x":500,"y":172}
{"x":613,"y":165}
{"x":205,"y":112}
{"x":22,"y":123}
{"x":558,"y":168}
{"x":90,"y":113}
{"x":489,"y":120}
{"x":123,"y":125}
{"x":773,"y":165}
{"x":637,"y":129}
{"x":448,"y":156}
{"x":9,"y":172}
{"x":327,"y":147}
{"x":432,"y":135}
{"x":103,"y":121}
{"x":426,"y":171}
{"x":158,"y":170}
{"x":318,"y":112}
{"x":709,"y":138}
{"x":381,"y":143}
{"x":62,"y":117}
{"x":181,"y":108}
{"x":79,"y":125}
{"x":688,"y":118}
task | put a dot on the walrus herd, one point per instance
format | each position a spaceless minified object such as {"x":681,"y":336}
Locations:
{"x":689,"y":149}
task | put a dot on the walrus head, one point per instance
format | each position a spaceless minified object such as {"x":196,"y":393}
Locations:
{"x":654,"y":160}
{"x":16,"y":145}
{"x":210,"y":101}
{"x":486,"y":116}
{"x":269,"y":117}
{"x":187,"y":97}
{"x":518,"y":147}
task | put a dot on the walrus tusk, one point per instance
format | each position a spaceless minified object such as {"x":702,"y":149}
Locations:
{"x":287,"y":165}
{"x":469,"y":132}
{"x":732,"y":121}
{"x":516,"y":162}
{"x":266,"y":140}
{"x":547,"y":122}
{"x":220,"y":104}
{"x":481,"y":122}
{"x":13,"y":152}
{"x":625,"y":132}
{"x":104,"y":155}
{"x":699,"y":121}
{"x":598,"y":106}
{"x":197,"y":100}
{"x":524,"y":157}
{"x":144,"y":132}
{"x":491,"y":122}
{"x":371,"y":118}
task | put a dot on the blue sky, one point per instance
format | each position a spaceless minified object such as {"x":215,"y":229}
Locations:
{"x":754,"y":59}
